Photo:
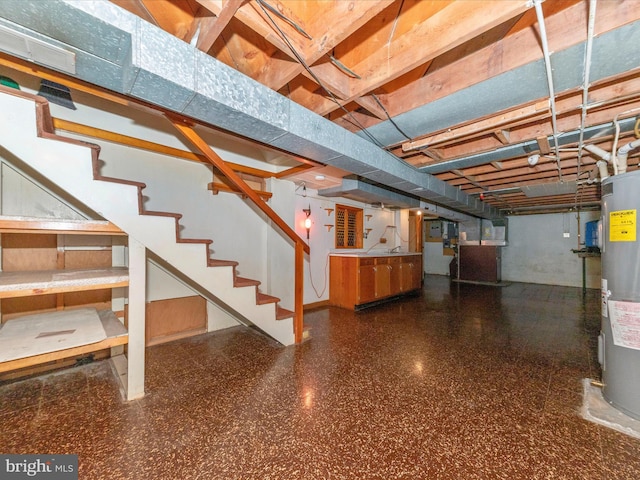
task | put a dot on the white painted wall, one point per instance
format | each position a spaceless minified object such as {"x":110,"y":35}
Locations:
{"x":539,"y":252}
{"x":21,"y":196}
{"x":433,"y":260}
{"x":322,"y":238}
{"x":279,"y":255}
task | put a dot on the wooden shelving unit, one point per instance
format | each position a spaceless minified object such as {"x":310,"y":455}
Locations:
{"x":24,"y":284}
{"x":16,"y":284}
{"x":113,"y":328}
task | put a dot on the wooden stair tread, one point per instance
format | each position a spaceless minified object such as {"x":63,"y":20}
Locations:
{"x":121,"y":181}
{"x":245,"y":282}
{"x":154,"y":213}
{"x":222,"y":263}
{"x":207,"y":241}
{"x":283,"y":313}
{"x":263,"y":298}
{"x":26,"y":283}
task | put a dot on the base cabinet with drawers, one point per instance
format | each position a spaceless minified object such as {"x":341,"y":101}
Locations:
{"x":361,"y":280}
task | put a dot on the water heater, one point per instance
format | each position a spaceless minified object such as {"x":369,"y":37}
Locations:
{"x":619,"y":342}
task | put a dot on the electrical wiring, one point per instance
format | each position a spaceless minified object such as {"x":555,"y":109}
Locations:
{"x":302,"y":62}
{"x":400,"y":237}
{"x":375,"y":97}
{"x":326,"y":275}
{"x":298,"y":28}
{"x":381,"y":235}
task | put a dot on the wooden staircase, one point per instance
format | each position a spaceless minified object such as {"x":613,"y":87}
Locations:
{"x":63,"y":161}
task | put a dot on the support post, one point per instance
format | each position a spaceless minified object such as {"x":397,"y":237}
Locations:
{"x":137,"y":296}
{"x":298,"y":319}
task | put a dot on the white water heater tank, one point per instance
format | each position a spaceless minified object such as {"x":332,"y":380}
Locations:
{"x":619,"y":342}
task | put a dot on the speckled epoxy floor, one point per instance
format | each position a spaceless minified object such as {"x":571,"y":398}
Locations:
{"x":462,"y":382}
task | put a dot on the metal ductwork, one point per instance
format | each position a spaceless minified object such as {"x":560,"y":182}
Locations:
{"x":358,"y":190}
{"x":118,"y":51}
{"x":614,"y":53}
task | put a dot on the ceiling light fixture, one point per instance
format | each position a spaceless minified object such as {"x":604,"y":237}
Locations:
{"x":533,"y":159}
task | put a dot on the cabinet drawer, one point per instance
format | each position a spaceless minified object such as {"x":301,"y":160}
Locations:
{"x":367,"y":261}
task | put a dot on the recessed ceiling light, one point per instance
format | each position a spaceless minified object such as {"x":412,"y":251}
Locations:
{"x":320,"y":177}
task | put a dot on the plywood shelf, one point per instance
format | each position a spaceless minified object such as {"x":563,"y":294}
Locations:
{"x":116,"y":335}
{"x":26,"y":283}
{"x":11,"y":224}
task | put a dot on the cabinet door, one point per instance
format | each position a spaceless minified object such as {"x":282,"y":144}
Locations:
{"x":411,"y":275}
{"x":383,"y":280}
{"x":367,"y":284}
{"x":395,"y":278}
{"x":406,"y":276}
{"x":416,"y":273}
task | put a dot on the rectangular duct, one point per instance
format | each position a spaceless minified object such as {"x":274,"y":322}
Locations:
{"x":365,"y":192}
{"x":546,"y":189}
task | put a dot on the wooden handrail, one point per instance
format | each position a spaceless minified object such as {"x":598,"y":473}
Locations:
{"x":301,"y":246}
{"x":61,"y":124}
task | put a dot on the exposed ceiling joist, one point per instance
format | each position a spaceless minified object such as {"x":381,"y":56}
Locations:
{"x":463,"y":79}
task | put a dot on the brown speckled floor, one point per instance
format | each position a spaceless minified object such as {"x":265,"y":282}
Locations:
{"x":462,"y":382}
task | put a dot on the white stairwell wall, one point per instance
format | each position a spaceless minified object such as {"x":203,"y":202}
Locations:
{"x":69,"y":166}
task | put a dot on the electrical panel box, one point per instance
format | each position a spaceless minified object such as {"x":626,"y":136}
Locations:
{"x":591,"y":234}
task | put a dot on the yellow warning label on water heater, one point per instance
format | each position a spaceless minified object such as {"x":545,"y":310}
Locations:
{"x":622,"y":226}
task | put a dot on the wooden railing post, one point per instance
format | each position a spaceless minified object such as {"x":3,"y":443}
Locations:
{"x":298,"y":322}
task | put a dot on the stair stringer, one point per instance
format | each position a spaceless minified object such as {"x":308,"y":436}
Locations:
{"x":69,"y":166}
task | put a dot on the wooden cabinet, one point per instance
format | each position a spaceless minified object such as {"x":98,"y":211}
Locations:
{"x":383,"y":278}
{"x":480,"y":263}
{"x":366,"y":284}
{"x":411,"y":273}
{"x":360,"y":280}
{"x":48,"y":279}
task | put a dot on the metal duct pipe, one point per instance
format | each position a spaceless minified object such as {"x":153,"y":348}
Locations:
{"x":547,"y":62}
